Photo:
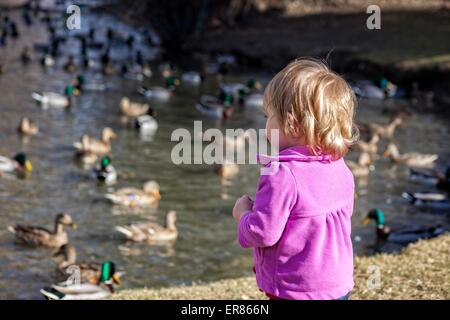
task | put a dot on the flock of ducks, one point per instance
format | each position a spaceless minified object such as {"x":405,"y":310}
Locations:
{"x":421,"y":168}
{"x":98,"y":279}
{"x":95,"y":153}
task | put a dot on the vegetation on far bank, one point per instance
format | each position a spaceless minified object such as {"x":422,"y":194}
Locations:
{"x":421,"y":271}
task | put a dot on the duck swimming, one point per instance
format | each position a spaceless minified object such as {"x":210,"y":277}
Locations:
{"x":431,"y":177}
{"x":133,"y":197}
{"x":133,"y":109}
{"x":432,"y":200}
{"x":105,"y":172}
{"x":371,"y":146}
{"x":362,"y":167}
{"x":213,"y":107}
{"x":385,"y":131}
{"x":38,"y":236}
{"x":156,"y":93}
{"x":98,"y":147}
{"x":18,"y":164}
{"x":56,"y":100}
{"x":27,"y":127}
{"x":410,"y":159}
{"x":402,"y":236}
{"x":103,"y":288}
{"x":151,"y":232}
{"x":66,"y":256}
{"x":192,"y":78}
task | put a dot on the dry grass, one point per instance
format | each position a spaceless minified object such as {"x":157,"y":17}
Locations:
{"x":421,"y":271}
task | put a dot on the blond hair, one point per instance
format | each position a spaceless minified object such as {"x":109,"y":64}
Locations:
{"x":313,"y":102}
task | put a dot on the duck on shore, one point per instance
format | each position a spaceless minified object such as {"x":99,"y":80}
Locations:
{"x":38,"y":236}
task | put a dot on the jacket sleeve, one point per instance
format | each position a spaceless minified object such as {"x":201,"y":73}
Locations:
{"x":274,"y":200}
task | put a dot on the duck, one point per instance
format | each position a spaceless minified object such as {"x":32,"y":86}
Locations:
{"x":402,"y":236}
{"x":92,"y":85}
{"x":151,"y":232}
{"x":213,"y":107}
{"x":133,"y":109}
{"x":86,"y":158}
{"x":102,"y":289}
{"x":385,"y":131}
{"x":156,"y":93}
{"x":366,"y":89}
{"x":47,"y":60}
{"x":18,"y":164}
{"x":105,"y":172}
{"x":192,"y":78}
{"x":66,"y":259}
{"x":371,"y":146}
{"x":38,"y":236}
{"x":226,"y":169}
{"x":431,"y":177}
{"x":432,"y":200}
{"x":99,"y":147}
{"x":26,"y":55}
{"x":363,"y":166}
{"x":410,"y":159}
{"x":146,"y":124}
{"x":70,"y":65}
{"x":27,"y":127}
{"x":132,"y":197}
{"x":56,"y":100}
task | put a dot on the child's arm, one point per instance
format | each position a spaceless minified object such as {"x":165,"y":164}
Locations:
{"x":263,"y":225}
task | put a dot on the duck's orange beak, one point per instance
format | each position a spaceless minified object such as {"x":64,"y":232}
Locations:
{"x":74,"y":226}
{"x":116,"y":278}
{"x":157,"y":195}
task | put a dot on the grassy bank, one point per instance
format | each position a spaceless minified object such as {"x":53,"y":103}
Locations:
{"x":421,"y":271}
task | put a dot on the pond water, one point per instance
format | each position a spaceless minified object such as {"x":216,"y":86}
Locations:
{"x":206,"y":249}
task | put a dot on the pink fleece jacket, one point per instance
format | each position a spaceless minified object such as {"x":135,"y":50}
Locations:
{"x":300,"y":227}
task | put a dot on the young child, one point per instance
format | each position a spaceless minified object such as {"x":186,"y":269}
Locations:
{"x":299,"y":224}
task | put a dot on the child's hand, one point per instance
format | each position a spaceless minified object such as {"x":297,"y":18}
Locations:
{"x":242,"y":205}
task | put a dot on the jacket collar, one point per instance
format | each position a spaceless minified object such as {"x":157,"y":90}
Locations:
{"x":297,"y":153}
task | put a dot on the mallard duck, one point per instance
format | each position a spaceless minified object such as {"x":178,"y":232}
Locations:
{"x":103,"y":288}
{"x":226,"y":169}
{"x":56,"y":100}
{"x":133,"y":109}
{"x":156,"y":93}
{"x":84,"y":85}
{"x":38,"y":236}
{"x":105,"y":172}
{"x":213,"y":107}
{"x":254,"y":100}
{"x":151,"y":232}
{"x":27,"y":127}
{"x":192,"y":78}
{"x":146,"y":124}
{"x":15,"y":165}
{"x":385,"y":131}
{"x":371,"y":146}
{"x":99,"y":147}
{"x":133,"y":197}
{"x":410,"y":159}
{"x":85,"y":158}
{"x":432,"y":200}
{"x":431,"y":177}
{"x":363,"y":166}
{"x":402,"y":236}
{"x":66,"y":259}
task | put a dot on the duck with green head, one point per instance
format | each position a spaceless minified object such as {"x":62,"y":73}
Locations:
{"x":404,"y":235}
{"x":87,"y":291}
{"x":18,"y":164}
{"x":105,"y":172}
